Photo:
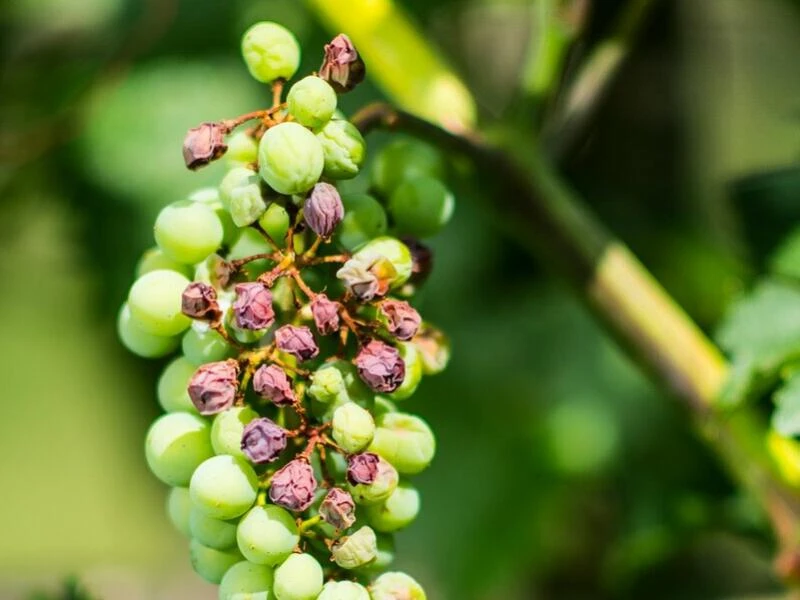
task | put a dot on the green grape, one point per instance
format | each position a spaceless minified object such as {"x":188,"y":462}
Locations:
{"x":392,"y":250}
{"x":352,"y":427}
{"x":188,"y":231}
{"x":211,"y":532}
{"x":227,"y":429}
{"x":233,"y":179}
{"x":200,"y":347}
{"x":179,"y":505}
{"x":343,"y":590}
{"x":139,"y":341}
{"x":175,"y":445}
{"x":246,"y":204}
{"x":154,"y":259}
{"x":395,"y":585}
{"x":344,"y":149}
{"x":267,"y":535}
{"x":211,"y":197}
{"x":413,"y":361}
{"x":405,"y":441}
{"x":270,"y":52}
{"x":155,"y":303}
{"x":421,"y":207}
{"x":224,"y":487}
{"x":336,"y":383}
{"x":242,"y":150}
{"x":246,"y":581}
{"x":382,"y":406}
{"x":399,"y":510}
{"x":275,"y":221}
{"x":290,"y":158}
{"x":172,"y":386}
{"x":386,"y":552}
{"x":405,"y":159}
{"x":298,"y":578}
{"x":356,"y":550}
{"x":364,"y":219}
{"x":211,"y":564}
{"x":311,"y":101}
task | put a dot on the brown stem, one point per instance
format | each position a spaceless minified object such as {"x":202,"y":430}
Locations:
{"x":657,"y":334}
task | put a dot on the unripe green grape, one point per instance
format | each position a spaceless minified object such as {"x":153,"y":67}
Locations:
{"x":311,"y":101}
{"x":352,"y":427}
{"x":201,"y":347}
{"x":267,"y":535}
{"x":188,"y":231}
{"x":172,"y":386}
{"x":356,"y":550}
{"x":179,"y":505}
{"x":211,"y":197}
{"x":343,"y":590}
{"x":247,"y":205}
{"x":155,"y":303}
{"x":413,"y":362}
{"x":224,"y":487}
{"x":405,"y":441}
{"x":154,"y":259}
{"x":290,"y":158}
{"x":364,"y":219}
{"x":405,"y":159}
{"x":246,"y":581}
{"x":392,"y":250}
{"x":344,"y":149}
{"x":211,"y":532}
{"x":139,"y":341}
{"x":379,"y":490}
{"x":421,"y":207}
{"x":382,"y":406}
{"x":242,"y":149}
{"x":234,"y":178}
{"x":227,"y":429}
{"x":275,"y":221}
{"x":337,"y":382}
{"x":399,"y":510}
{"x":396,"y":585}
{"x":298,"y":578}
{"x":386,"y":553}
{"x":270,"y":52}
{"x":211,"y":564}
{"x":175,"y":445}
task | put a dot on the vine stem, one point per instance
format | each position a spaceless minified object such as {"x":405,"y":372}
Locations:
{"x":658,"y":335}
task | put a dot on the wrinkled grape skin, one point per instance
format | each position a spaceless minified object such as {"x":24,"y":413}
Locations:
{"x":270,"y":52}
{"x":175,"y":445}
{"x":343,"y":590}
{"x":352,"y":427}
{"x":311,"y":101}
{"x":344,"y":149}
{"x":290,"y":158}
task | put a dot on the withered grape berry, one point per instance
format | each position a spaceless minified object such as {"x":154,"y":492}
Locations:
{"x":282,"y":440}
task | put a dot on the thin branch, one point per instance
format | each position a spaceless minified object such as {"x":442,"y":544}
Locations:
{"x":658,"y":335}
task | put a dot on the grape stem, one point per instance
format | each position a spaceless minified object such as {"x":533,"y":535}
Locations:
{"x":551,"y":221}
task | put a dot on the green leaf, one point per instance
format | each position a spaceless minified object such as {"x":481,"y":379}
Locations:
{"x":786,"y":259}
{"x":762,"y":334}
{"x":786,"y":418}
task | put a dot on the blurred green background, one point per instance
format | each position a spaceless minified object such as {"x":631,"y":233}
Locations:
{"x":562,"y":472}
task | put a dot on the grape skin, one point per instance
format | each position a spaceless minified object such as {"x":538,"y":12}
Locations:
{"x":139,"y":341}
{"x":175,"y":445}
{"x":223,"y":487}
{"x":246,"y":581}
{"x":267,"y":535}
{"x":298,"y":578}
{"x":172,"y":386}
{"x":155,"y":303}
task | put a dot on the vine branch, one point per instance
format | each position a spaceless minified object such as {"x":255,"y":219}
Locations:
{"x":656,"y":332}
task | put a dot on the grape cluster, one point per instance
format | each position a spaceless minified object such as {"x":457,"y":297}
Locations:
{"x":288,"y":457}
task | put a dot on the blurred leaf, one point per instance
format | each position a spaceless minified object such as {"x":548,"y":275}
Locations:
{"x":762,"y":334}
{"x":135,"y":128}
{"x":786,"y":259}
{"x":786,"y":418}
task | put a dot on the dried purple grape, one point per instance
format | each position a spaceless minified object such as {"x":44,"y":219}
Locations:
{"x":342,"y":67}
{"x":323,"y":209}
{"x":297,"y":341}
{"x":263,"y":440}
{"x":272,"y":383}
{"x":326,"y":314}
{"x":403,"y":320}
{"x":363,"y":468}
{"x":338,"y":508}
{"x":253,"y":306}
{"x":213,"y":386}
{"x":203,"y":144}
{"x":199,"y":301}
{"x":380,"y":366}
{"x":293,"y":486}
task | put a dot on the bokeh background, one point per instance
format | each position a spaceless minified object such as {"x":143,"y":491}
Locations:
{"x":562,"y":472}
